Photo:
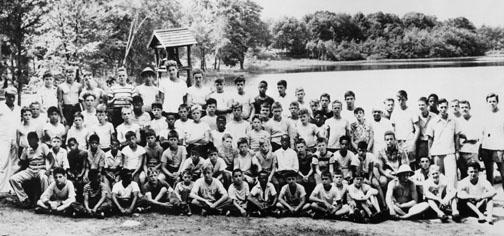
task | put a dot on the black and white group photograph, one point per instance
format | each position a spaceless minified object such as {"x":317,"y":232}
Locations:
{"x":251,"y":117}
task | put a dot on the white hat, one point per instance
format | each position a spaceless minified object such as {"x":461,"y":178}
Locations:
{"x":10,"y":90}
{"x":404,"y":169}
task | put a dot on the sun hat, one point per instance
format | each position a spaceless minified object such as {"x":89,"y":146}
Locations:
{"x":404,"y":169}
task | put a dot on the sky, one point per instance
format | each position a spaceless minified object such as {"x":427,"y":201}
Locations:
{"x":480,"y":12}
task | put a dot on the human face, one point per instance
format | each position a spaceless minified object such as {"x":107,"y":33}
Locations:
{"x":211,"y":109}
{"x":256,"y":124}
{"x":133,"y":141}
{"x":403,"y":177}
{"x":213,"y":156}
{"x":195,"y":157}
{"x":9,"y":99}
{"x":48,"y":82}
{"x":465,"y":108}
{"x":336,"y":109}
{"x":264,"y":147}
{"x":73,"y":146}
{"x":434,"y":175}
{"x":422,"y":106}
{"x":281,"y":89}
{"x":472,"y":173}
{"x":240,"y":86}
{"x":338,"y":179}
{"x":60,"y":179}
{"x":377,"y":115}
{"x":207,"y":175}
{"x":78,"y":122}
{"x":492,"y":101}
{"x":33,"y":142}
{"x":89,"y":102}
{"x":114,"y":145}
{"x":219,"y":87}
{"x":291,"y":180}
{"x":172,"y":72}
{"x":183,"y":114}
{"x":221,"y":124}
{"x":277,"y":113}
{"x":186,"y":178}
{"x":358,"y":181}
{"x":243,"y":147}
{"x":359,"y":115}
{"x":170,"y":120}
{"x":173,"y":142}
{"x":102,"y":116}
{"x":304,"y":119}
{"x":54,"y":117}
{"x":285,"y":142}
{"x":390,"y":140}
{"x":153,"y":178}
{"x":455,"y":107}
{"x":149,"y":78}
{"x":262,"y":88}
{"x":94,"y":145}
{"x":151,"y":140}
{"x":35,"y":110}
{"x":56,"y":143}
{"x":137,"y":106}
{"x":424,"y":163}
{"x":326,"y":181}
{"x":432,"y":101}
{"x":443,"y":109}
{"x":344,"y":145}
{"x":157,"y":112}
{"x":126,"y":115}
{"x":263,"y":179}
{"x":389,"y":105}
{"x":88,"y":79}
{"x":350,"y":101}
{"x":301,"y":148}
{"x":196,"y":115}
{"x":322,"y":147}
{"x":70,"y":76}
{"x":121,"y":77}
{"x":401,"y":100}
{"x":324,"y":102}
{"x":228,"y":142}
{"x":294,"y":110}
{"x":265,"y":111}
{"x":361,"y":152}
{"x":314,"y":106}
{"x":198,"y":78}
{"x":237,"y":178}
{"x":300,"y":95}
{"x":237,"y":112}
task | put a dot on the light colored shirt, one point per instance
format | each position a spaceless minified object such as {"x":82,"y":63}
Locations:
{"x":263,"y":195}
{"x":493,"y":131}
{"x":287,"y":159}
{"x":125,"y":192}
{"x":132,"y":158}
{"x":208,"y":191}
{"x":330,"y":196}
{"x":104,"y":132}
{"x":403,"y":121}
{"x":53,"y":193}
{"x":336,"y":128}
{"x":471,"y":129}
{"x":174,"y":92}
{"x":443,"y":134}
{"x":379,"y":129}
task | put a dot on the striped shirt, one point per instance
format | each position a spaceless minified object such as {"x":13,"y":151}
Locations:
{"x":121,"y":95}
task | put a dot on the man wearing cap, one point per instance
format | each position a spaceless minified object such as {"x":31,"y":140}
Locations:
{"x":402,"y":197}
{"x":173,"y":90}
{"x":380,"y":126}
{"x":148,"y":91}
{"x":9,"y":114}
{"x":68,"y":96}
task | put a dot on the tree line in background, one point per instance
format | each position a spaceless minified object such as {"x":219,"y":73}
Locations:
{"x":101,"y":35}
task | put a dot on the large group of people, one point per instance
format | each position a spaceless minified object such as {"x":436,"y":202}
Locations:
{"x":161,"y":146}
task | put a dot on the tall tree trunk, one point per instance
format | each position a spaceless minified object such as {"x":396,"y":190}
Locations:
{"x":203,"y":59}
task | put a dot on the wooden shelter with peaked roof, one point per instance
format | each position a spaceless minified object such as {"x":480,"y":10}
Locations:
{"x":166,"y":44}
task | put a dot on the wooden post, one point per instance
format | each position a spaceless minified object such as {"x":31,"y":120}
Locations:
{"x":189,"y":66}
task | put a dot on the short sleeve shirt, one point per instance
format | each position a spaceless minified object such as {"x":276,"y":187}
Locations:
{"x":323,"y":161}
{"x":132,"y":158}
{"x":96,"y":160}
{"x":53,"y":193}
{"x":443,"y":134}
{"x":173,"y":159}
{"x":36,"y":157}
{"x":327,"y":195}
{"x":125,"y":192}
{"x":239,"y":195}
{"x":211,"y":192}
{"x":292,"y":198}
{"x":264,"y":195}
{"x":113,"y":162}
{"x":97,"y":193}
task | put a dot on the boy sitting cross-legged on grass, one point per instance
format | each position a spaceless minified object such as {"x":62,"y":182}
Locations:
{"x":291,"y":201}
{"x":324,"y":198}
{"x":159,"y":195}
{"x":209,"y":194}
{"x":125,"y":194}
{"x":263,"y":196}
{"x":59,"y":196}
{"x":183,"y":189}
{"x":96,"y":198}
{"x":363,"y":198}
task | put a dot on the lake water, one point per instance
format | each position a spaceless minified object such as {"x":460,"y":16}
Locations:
{"x":372,"y":86}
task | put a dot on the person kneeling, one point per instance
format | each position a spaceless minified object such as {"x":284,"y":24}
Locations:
{"x":59,"y":196}
{"x":364,"y":198}
{"x":96,"y":198}
{"x":475,"y":195}
{"x":325,"y":199}
{"x":437,"y":194}
{"x":291,"y":201}
{"x":209,"y":194}
{"x":402,"y":198}
{"x":125,"y":194}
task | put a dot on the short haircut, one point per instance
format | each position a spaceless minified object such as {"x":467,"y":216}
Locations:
{"x":424,"y":100}
{"x":492,"y":95}
{"x":171,"y":63}
{"x":183,"y":106}
{"x":220,"y":118}
{"x":219,"y":81}
{"x":294,"y":103}
{"x":78,"y":114}
{"x":304,"y":111}
{"x":356,"y":110}
{"x":239,"y":79}
{"x":211,"y":101}
{"x":187,"y":172}
{"x":208,"y":169}
{"x":389,"y":132}
{"x":389,"y":100}
{"x":433,"y":168}
{"x":403,"y":94}
{"x":47,"y":74}
{"x":72,"y":140}
{"x":125,"y":174}
{"x":455,"y":101}
{"x":474,"y":165}
{"x":137,"y":99}
{"x":226,"y":136}
{"x":433,"y":95}
{"x":282,"y":83}
{"x":86,"y":95}
{"x":326,"y":174}
{"x":326,"y":95}
{"x":337,"y":102}
{"x":264,"y":83}
{"x":56,"y":137}
{"x":300,"y":141}
{"x":101,"y":108}
{"x":276,"y":105}
{"x":338,"y":171}
{"x":25,"y":109}
{"x":34,"y":103}
{"x":237,"y":170}
{"x":157,"y":105}
{"x":256,"y":117}
{"x":465,"y":102}
{"x":52,"y":110}
{"x":173,"y":134}
{"x":299,"y":89}
{"x":59,"y":170}
{"x":94,"y":138}
{"x":242,"y":141}
{"x":32,"y":135}
{"x":130,"y":134}
{"x":322,"y":140}
{"x":343,"y":138}
{"x":442,"y":100}
{"x":362,"y":145}
{"x":197,"y":71}
{"x":125,"y":109}
{"x":211,"y":149}
{"x":349,"y":93}
{"x":120,"y":69}
{"x":237,"y":105}
{"x":150,"y":132}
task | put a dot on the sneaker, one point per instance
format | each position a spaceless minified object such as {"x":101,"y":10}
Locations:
{"x":456,"y":218}
{"x":228,"y":213}
{"x":100,"y":215}
{"x":481,"y":220}
{"x":140,"y":209}
{"x":26,"y":204}
{"x":189,"y":213}
{"x":444,"y":218}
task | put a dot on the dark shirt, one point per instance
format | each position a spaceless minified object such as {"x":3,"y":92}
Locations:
{"x":260,"y":100}
{"x":77,"y":161}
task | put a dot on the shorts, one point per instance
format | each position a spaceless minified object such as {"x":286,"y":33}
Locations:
{"x":466,"y":211}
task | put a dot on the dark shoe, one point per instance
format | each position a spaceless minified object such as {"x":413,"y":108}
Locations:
{"x":481,"y":220}
{"x":444,"y":218}
{"x":204,"y":212}
{"x":457,"y":218}
{"x":26,"y":204}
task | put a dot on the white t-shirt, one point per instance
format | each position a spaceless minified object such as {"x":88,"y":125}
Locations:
{"x":174,"y":93}
{"x":198,"y":95}
{"x":379,"y":129}
{"x":90,"y":119}
{"x":211,"y":121}
{"x":287,"y":159}
{"x":216,"y":137}
{"x":237,"y":129}
{"x":132,"y":158}
{"x":48,"y":97}
{"x":336,"y":129}
{"x":104,"y":132}
{"x":54,"y":130}
{"x":224,"y":100}
{"x":308,"y":133}
{"x":79,"y":135}
{"x":329,"y":196}
{"x":493,"y":131}
{"x":245,"y":100}
{"x":472,"y":130}
{"x":127,"y":192}
{"x":148,"y":94}
{"x":403,"y":121}
{"x":196,"y":131}
{"x":122,"y":129}
{"x":182,"y":127}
